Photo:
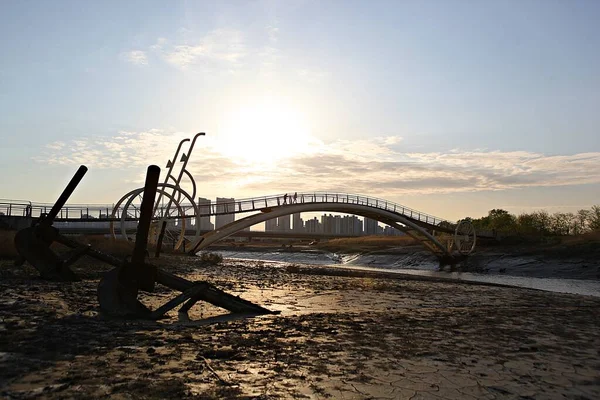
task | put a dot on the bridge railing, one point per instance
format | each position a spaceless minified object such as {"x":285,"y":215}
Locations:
{"x":14,"y":208}
{"x":260,"y":203}
{"x":21,"y":208}
{"x":103,"y":212}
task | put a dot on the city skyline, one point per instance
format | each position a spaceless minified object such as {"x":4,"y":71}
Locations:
{"x":451,"y":108}
{"x":329,"y":223}
{"x":332,"y":223}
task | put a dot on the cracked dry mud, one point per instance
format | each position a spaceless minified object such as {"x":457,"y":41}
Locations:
{"x":364,"y":335}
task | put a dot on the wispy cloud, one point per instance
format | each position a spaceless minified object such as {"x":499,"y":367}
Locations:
{"x":370,"y":166}
{"x":269,"y":54}
{"x":272,"y":33}
{"x":227,"y":49}
{"x":136,"y":57}
{"x":218,"y":46}
{"x":159,"y":45}
{"x":394,"y":173}
{"x":56,"y":145}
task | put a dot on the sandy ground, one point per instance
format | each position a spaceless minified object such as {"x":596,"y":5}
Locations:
{"x":360,"y":336}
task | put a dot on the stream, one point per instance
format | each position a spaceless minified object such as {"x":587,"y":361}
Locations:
{"x":424,"y":267}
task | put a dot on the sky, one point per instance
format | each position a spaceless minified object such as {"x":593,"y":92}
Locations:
{"x":449,"y":107}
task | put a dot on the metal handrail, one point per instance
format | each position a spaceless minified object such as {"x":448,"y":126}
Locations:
{"x":77,"y":211}
{"x":258,"y":203}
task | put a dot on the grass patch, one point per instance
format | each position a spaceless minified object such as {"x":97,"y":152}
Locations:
{"x":591,"y":237}
{"x":211,"y":258}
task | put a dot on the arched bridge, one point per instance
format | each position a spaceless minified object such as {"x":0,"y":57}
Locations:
{"x":421,"y":226}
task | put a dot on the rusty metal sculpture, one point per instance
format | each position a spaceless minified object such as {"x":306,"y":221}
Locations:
{"x":118,"y":289}
{"x":180,"y":204}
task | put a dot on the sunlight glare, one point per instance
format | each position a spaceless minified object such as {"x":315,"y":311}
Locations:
{"x":263,"y":133}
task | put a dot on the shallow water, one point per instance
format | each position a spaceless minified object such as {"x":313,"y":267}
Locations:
{"x":389,"y":263}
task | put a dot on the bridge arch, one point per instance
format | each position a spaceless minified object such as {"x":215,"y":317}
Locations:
{"x":381,"y":215}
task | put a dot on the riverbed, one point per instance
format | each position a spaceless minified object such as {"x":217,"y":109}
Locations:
{"x":340,"y":334}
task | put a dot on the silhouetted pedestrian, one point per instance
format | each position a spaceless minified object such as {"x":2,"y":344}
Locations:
{"x":295,"y":197}
{"x":285,"y":198}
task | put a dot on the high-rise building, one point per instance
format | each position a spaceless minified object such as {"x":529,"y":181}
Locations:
{"x":331,"y":224}
{"x":313,"y":226}
{"x":224,"y":205}
{"x":358,"y":226}
{"x":337,"y":224}
{"x":298,"y":223}
{"x":351,"y":225}
{"x":283,"y":223}
{"x":271,"y":225}
{"x":391,"y":231}
{"x":371,"y":227}
{"x":327,"y":223}
{"x":204,"y":210}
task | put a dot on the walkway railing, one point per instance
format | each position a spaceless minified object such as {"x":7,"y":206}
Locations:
{"x":103,"y":212}
{"x":259,"y":203}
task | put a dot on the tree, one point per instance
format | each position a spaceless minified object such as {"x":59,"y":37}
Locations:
{"x":594,"y":218}
{"x":581,"y":222}
{"x":527,"y":224}
{"x":481,"y":224}
{"x":560,"y":223}
{"x":448,"y":225}
{"x":501,"y":220}
{"x":542,"y":221}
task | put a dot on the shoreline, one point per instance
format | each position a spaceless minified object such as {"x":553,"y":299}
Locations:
{"x":560,"y":262}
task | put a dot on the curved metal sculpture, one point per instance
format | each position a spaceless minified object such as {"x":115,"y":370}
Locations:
{"x":465,"y":237}
{"x":176,"y":233}
{"x":167,"y":220}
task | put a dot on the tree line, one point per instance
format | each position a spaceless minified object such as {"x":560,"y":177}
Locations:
{"x":540,"y":223}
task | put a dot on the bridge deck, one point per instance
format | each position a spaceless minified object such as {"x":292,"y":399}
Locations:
{"x":103,"y":212}
{"x":99,"y":211}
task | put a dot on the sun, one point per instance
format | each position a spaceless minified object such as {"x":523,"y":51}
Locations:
{"x":263,"y":133}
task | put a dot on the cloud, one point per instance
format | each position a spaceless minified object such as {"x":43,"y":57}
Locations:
{"x":391,"y":140}
{"x":225,"y":49}
{"x":160,"y":43}
{"x":56,"y":145}
{"x":406,"y":173}
{"x":135,"y":57}
{"x":221,"y":46}
{"x":272,"y":33}
{"x":367,"y":166}
{"x":117,"y":151}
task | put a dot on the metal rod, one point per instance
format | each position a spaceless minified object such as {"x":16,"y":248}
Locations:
{"x":146,"y":209}
{"x":64,"y":196}
{"x":107,"y":258}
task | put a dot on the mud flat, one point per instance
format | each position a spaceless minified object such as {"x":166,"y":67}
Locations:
{"x":340,"y":334}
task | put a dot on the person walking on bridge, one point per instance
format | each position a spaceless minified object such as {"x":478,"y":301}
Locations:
{"x":285,"y":198}
{"x":295,"y":197}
